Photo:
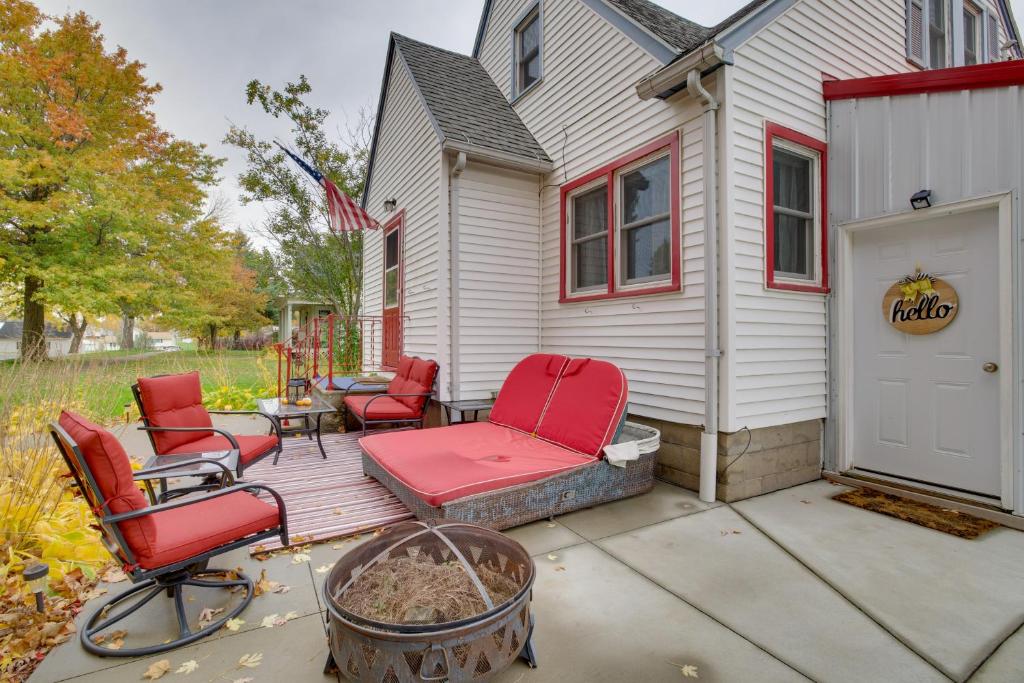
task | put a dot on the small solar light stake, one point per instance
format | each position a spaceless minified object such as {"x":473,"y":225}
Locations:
{"x":922,"y":199}
{"x":35,"y":577}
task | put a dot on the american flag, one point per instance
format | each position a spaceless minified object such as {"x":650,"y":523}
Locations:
{"x":344,"y":213}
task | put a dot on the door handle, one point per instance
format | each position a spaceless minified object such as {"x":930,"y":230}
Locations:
{"x":990,"y":367}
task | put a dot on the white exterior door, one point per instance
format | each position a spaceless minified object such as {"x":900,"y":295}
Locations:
{"x":924,"y":406}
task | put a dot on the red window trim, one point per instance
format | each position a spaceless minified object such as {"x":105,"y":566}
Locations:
{"x":397,"y":222}
{"x":671,"y":142}
{"x":772,"y":132}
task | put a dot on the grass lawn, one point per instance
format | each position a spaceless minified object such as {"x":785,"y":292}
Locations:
{"x":100,"y":384}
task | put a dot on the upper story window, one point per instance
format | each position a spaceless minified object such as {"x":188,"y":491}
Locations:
{"x":620,"y":223}
{"x":527,"y":58}
{"x":973,"y":36}
{"x":944,"y":33}
{"x":795,"y":230}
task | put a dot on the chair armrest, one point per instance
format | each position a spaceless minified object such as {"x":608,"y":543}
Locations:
{"x":366,"y":408}
{"x":273,"y":422}
{"x":182,"y":502}
{"x":227,"y":435}
{"x":174,"y":466}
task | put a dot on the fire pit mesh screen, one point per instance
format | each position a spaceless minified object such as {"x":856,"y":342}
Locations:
{"x":467,"y":636}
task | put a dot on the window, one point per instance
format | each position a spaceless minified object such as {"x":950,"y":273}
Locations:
{"x":937,"y":33}
{"x":392,"y":247}
{"x":527,"y":51}
{"x":795,"y":231}
{"x":994,"y":51}
{"x":973,"y":41}
{"x":620,"y":226}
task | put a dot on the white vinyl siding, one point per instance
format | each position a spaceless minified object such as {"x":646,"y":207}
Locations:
{"x":588,"y":114}
{"x":497,"y":276}
{"x":774,"y":365}
{"x":407,"y":167}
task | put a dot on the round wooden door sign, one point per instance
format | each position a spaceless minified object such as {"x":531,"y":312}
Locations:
{"x":920,"y":304}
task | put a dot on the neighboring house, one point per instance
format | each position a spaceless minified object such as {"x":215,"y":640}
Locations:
{"x":295,"y":313}
{"x":593,"y":181}
{"x":98,"y":340}
{"x":58,"y":342}
{"x":160,"y":340}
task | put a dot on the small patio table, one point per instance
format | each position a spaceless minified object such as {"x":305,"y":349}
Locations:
{"x":281,"y":412}
{"x":215,"y":462}
{"x":471,"y":405}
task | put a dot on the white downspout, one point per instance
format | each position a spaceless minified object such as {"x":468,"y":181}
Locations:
{"x":453,"y":270}
{"x":712,"y":350}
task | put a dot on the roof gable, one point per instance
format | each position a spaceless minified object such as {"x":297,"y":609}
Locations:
{"x":463,"y":103}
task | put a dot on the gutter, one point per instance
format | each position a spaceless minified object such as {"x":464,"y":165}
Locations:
{"x":712,"y":350}
{"x":453,"y":271}
{"x":670,"y":79}
{"x":497,"y":157}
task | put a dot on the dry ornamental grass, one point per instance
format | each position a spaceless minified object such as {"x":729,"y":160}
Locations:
{"x":404,"y":590}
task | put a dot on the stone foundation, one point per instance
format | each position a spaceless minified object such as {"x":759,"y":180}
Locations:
{"x":776,"y":458}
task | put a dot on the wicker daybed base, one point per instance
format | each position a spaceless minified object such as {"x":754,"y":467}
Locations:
{"x":582,"y":487}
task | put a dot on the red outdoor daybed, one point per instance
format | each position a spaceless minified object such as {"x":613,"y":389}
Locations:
{"x":539,"y":454}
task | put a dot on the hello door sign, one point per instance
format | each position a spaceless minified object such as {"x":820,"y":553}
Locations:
{"x":920,"y":304}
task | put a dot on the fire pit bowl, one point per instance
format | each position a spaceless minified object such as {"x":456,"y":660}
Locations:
{"x":468,"y":649}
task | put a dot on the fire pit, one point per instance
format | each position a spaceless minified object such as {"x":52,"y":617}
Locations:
{"x":423,"y":644}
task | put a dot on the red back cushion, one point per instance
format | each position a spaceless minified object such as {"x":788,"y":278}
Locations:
{"x":174,"y":401}
{"x":586,"y":407}
{"x":112,"y":471}
{"x":526,"y":391}
{"x":414,"y":376}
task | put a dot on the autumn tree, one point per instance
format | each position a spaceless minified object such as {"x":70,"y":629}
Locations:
{"x":96,"y":202}
{"x":318,"y":263}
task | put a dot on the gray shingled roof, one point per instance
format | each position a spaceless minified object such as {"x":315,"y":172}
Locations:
{"x":465,"y":102}
{"x":678,"y":33}
{"x":11,"y":329}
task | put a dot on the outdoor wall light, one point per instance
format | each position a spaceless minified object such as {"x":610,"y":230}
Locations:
{"x":390,"y":204}
{"x":35,"y":577}
{"x":921,"y":199}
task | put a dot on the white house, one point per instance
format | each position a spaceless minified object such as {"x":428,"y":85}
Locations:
{"x":595,"y":180}
{"x":58,"y":341}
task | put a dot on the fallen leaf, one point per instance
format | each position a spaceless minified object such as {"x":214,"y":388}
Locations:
{"x":291,"y":615}
{"x":157,"y":669}
{"x":187,"y":667}
{"x":338,"y":511}
{"x":264,"y":585}
{"x":206,"y":616}
{"x":736,"y":532}
{"x":247,"y":679}
{"x":806,"y":502}
{"x":234,"y":624}
{"x":559,"y":568}
{"x":251,"y":661}
{"x":551,"y":525}
{"x":552,"y":557}
{"x":688,"y":671}
{"x":114,"y":575}
{"x":270,"y":621}
{"x":299,"y":558}
{"x":323,"y":569}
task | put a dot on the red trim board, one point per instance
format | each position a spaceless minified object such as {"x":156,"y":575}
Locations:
{"x":994,"y":75}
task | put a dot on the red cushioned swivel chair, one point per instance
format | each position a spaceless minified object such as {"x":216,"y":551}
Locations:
{"x":173,"y":415}
{"x":405,"y":401}
{"x":164,"y":547}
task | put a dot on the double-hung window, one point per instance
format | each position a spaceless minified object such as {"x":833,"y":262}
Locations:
{"x":944,"y":33}
{"x":938,"y":20}
{"x":795,"y":224}
{"x":620,"y":223}
{"x":974,"y":41}
{"x":527,"y":51}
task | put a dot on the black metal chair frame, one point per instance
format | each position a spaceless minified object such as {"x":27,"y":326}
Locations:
{"x":150,"y":429}
{"x":418,"y":421}
{"x":170,"y":578}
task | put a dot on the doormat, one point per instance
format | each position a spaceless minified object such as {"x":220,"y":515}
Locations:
{"x":941,"y":519}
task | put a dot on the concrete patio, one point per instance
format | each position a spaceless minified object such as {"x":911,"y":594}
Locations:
{"x":789,"y":586}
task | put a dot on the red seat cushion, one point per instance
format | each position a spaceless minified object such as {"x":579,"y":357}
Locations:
{"x":251,"y":446}
{"x":174,"y":401}
{"x":526,"y":391}
{"x":586,"y":407}
{"x":382,"y":408}
{"x":414,"y":376}
{"x":445,"y":463}
{"x":112,"y":471}
{"x":183,"y":533}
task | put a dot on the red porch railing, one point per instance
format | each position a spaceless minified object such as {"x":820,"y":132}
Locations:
{"x":332,"y":347}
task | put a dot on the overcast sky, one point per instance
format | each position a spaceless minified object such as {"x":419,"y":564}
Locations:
{"x":203,"y":52}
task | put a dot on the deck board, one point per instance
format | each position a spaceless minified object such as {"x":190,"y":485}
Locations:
{"x":328,"y":498}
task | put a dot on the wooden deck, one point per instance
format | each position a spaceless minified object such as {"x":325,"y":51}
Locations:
{"x":325,"y":498}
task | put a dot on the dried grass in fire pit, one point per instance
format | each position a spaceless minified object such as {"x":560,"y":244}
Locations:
{"x":404,"y":590}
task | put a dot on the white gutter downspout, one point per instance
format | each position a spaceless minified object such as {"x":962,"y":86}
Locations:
{"x":712,"y":351}
{"x":453,"y":270}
